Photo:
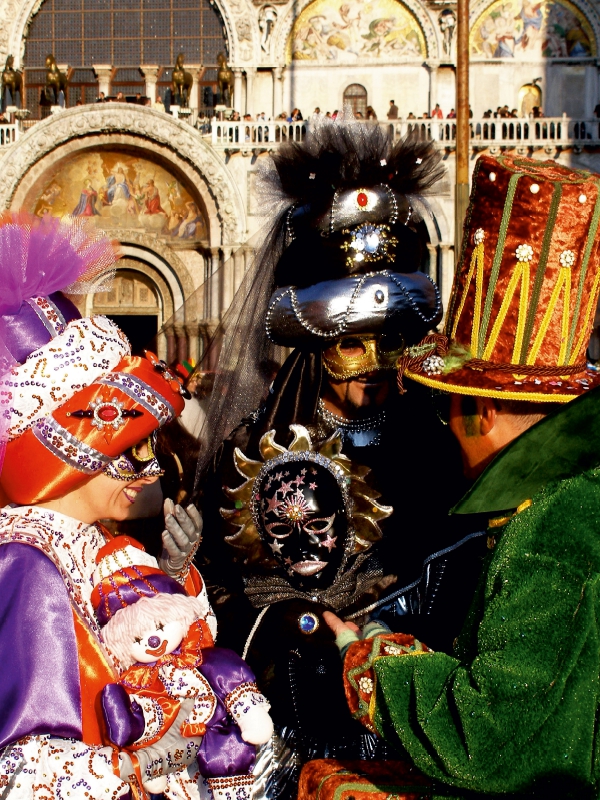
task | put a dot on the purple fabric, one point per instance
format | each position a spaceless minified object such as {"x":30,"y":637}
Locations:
{"x":223,"y":752}
{"x":39,"y":690}
{"x":24,"y":332}
{"x":130,"y":592}
{"x":123,"y":717}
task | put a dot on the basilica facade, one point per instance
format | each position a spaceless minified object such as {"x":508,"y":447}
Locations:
{"x":99,"y":130}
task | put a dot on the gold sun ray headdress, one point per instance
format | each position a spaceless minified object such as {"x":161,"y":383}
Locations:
{"x":363,"y":512}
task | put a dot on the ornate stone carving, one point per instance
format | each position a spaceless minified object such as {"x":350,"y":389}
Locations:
{"x":139,"y":121}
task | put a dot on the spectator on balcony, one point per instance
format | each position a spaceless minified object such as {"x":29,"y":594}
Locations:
{"x":296,"y":115}
{"x":120,"y":97}
{"x":437,"y":112}
{"x":514,"y":113}
{"x":371,"y":113}
{"x":392,"y":110}
{"x":334,"y":115}
{"x":159,"y":105}
{"x":411,"y":115}
{"x":452,"y":114}
{"x":487,"y":114}
{"x":101,"y":98}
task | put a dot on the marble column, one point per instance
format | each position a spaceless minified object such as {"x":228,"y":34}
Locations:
{"x":432,"y":67}
{"x":150,"y":73}
{"x":445,"y":277}
{"x":213,"y":287}
{"x":250,"y":75}
{"x":196,"y":71}
{"x":171,"y":345}
{"x":238,"y":268}
{"x":161,"y":346}
{"x":237,"y":89}
{"x":193,"y":336}
{"x":182,"y":345}
{"x":278,"y":91}
{"x":104,"y":74}
{"x":226,"y":281}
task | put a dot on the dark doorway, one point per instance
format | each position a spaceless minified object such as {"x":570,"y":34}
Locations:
{"x":140,"y":329}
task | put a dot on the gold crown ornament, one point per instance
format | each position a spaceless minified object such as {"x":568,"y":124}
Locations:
{"x":525,"y":293}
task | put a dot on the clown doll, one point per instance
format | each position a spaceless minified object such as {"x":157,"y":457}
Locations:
{"x":163,"y":639}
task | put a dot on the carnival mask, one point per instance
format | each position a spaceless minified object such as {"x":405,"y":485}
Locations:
{"x":300,"y":513}
{"x":357,"y":355}
{"x":132,"y":465}
{"x":308,"y":508}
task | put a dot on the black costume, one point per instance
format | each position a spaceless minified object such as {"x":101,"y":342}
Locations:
{"x":344,"y":183}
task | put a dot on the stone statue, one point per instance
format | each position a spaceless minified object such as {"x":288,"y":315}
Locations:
{"x":56,"y":81}
{"x":266,"y":22}
{"x":224,"y":81}
{"x":182,"y":83}
{"x":12,"y":85}
{"x":447,"y":23}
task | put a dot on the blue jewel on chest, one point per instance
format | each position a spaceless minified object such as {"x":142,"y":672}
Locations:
{"x":308,"y":622}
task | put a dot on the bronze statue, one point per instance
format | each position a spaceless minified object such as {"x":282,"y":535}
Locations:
{"x":182,"y":83}
{"x":12,"y":80}
{"x":56,"y":81}
{"x":224,"y":81}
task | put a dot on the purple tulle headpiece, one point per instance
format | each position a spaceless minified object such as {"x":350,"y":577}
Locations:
{"x":40,"y":259}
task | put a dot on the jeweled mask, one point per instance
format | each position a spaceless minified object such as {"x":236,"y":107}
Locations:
{"x":300,"y":511}
{"x":301,"y":506}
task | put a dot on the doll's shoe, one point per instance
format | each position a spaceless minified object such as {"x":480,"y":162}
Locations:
{"x":234,"y":787}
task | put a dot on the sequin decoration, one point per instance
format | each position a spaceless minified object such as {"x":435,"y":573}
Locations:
{"x":308,"y":622}
{"x":369,"y":243}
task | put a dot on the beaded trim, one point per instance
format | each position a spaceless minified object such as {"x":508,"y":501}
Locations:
{"x":341,"y":326}
{"x":230,"y":782}
{"x":67,"y":448}
{"x":300,"y":455}
{"x":49,"y":314}
{"x":352,"y":425}
{"x":142,"y":393}
{"x":248,"y":687}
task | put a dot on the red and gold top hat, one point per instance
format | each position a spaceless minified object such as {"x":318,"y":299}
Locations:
{"x":524,"y":296}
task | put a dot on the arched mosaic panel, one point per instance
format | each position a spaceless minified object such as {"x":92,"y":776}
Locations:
{"x":118,"y":190}
{"x":354,"y":31}
{"x":524,"y":29}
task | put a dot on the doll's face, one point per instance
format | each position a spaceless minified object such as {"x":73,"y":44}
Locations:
{"x":155,"y":643}
{"x":303,"y":522}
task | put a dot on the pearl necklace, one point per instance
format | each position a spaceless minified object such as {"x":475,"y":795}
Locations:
{"x":359,"y":432}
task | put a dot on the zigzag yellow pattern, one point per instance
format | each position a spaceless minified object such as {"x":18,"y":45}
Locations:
{"x":563,"y":282}
{"x":521,"y":274}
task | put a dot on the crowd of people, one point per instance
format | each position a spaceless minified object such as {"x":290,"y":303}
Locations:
{"x":393,"y":530}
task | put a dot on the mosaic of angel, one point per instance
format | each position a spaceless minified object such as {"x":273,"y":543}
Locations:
{"x":524,"y":28}
{"x":356,"y":30}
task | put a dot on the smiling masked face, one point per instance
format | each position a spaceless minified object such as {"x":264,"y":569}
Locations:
{"x":301,"y":517}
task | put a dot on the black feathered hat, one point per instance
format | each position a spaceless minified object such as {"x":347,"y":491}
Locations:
{"x":353,"y":252}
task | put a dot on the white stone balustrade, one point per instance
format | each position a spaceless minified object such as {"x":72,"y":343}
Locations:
{"x":256,"y":135}
{"x":493,"y":134}
{"x":9,"y":133}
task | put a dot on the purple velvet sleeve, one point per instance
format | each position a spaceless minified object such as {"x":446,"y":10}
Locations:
{"x":123,"y":716}
{"x":39,"y":689}
{"x":224,"y":670}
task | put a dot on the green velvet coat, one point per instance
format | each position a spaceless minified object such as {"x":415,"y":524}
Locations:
{"x":517,"y":704}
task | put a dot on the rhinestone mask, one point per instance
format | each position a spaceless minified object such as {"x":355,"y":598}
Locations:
{"x":299,"y":507}
{"x":131,"y":465}
{"x":357,"y":355}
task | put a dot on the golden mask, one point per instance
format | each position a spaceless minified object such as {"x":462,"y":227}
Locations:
{"x":352,"y":356}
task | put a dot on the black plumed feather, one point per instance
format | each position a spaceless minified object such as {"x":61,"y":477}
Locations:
{"x":336,"y":156}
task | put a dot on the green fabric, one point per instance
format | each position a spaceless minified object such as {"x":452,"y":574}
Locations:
{"x":517,"y":704}
{"x":561,"y":445}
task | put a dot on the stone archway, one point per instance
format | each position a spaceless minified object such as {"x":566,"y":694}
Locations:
{"x":174,"y":141}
